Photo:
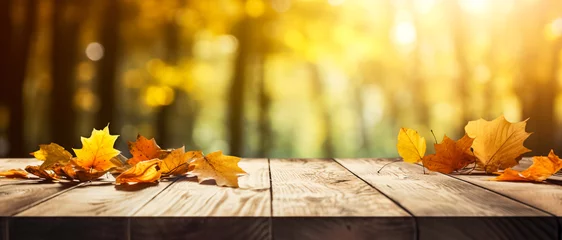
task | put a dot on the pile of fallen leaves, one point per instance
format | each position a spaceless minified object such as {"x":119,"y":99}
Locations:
{"x":149,"y":163}
{"x":488,"y":146}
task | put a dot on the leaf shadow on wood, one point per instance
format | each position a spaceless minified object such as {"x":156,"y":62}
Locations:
{"x":204,"y":182}
{"x":554,"y":181}
{"x":134,"y":187}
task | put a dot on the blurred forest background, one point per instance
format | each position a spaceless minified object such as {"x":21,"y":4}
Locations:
{"x":276,"y":78}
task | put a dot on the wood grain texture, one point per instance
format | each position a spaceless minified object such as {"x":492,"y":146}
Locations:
{"x":545,"y":196}
{"x":207,"y":211}
{"x":98,"y":199}
{"x":20,"y":195}
{"x":431,"y":196}
{"x":55,"y":228}
{"x":314,"y":197}
{"x":189,"y":198}
{"x":322,"y":188}
{"x":200,"y":228}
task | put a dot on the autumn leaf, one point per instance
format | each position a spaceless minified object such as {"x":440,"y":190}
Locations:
{"x":97,"y":151}
{"x":14,"y":173}
{"x":540,"y":170}
{"x":498,"y":144}
{"x":52,"y":154}
{"x":176,"y":163}
{"x":223,"y":169}
{"x":66,"y":171}
{"x":411,"y":146}
{"x":84,"y":176}
{"x":37,"y":171}
{"x":449,"y":155}
{"x":144,"y":171}
{"x":143,"y":149}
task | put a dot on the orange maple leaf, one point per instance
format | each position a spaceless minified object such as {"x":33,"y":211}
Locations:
{"x":37,"y":171}
{"x":144,"y":171}
{"x":540,"y":170}
{"x":143,"y":149}
{"x":14,"y":173}
{"x":97,"y":152}
{"x":223,"y":169}
{"x":449,"y":155}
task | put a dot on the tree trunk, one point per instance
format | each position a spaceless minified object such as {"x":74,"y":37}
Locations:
{"x":16,"y":68}
{"x":459,"y":36}
{"x":107,"y":69}
{"x":237,"y":94}
{"x":264,"y":101}
{"x":318,"y":92}
{"x":164,"y":117}
{"x":66,"y":25}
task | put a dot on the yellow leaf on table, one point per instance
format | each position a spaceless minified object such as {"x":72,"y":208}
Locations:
{"x":144,"y":171}
{"x":143,"y":149}
{"x":97,"y":151}
{"x":222,"y":168}
{"x":37,"y":171}
{"x":498,"y":144}
{"x":411,"y":146}
{"x":449,"y":155}
{"x":177,"y":162}
{"x":540,"y":170}
{"x":52,"y":154}
{"x":14,"y":173}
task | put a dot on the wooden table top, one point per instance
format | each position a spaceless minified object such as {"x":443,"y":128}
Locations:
{"x":287,"y":199}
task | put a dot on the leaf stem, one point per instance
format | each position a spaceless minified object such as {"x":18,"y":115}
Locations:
{"x":434,"y":138}
{"x":395,"y":161}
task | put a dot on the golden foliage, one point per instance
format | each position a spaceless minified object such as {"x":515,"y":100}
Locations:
{"x":498,"y":144}
{"x":223,"y":169}
{"x":411,"y":146}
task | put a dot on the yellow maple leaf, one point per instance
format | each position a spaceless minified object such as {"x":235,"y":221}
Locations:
{"x":97,"y":151}
{"x":14,"y":173}
{"x":53,"y":154}
{"x":449,"y":155}
{"x":411,"y":146}
{"x":143,"y":149}
{"x":176,"y":163}
{"x":222,"y":168}
{"x":540,"y":170}
{"x":498,"y":144}
{"x":144,"y":171}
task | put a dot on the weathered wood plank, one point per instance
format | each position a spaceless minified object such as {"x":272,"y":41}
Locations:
{"x":100,"y":198}
{"x":547,"y":197}
{"x":436,"y":200}
{"x":189,"y":198}
{"x":19,"y":194}
{"x":209,"y":211}
{"x":83,"y":228}
{"x":312,"y":197}
{"x":200,"y":228}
